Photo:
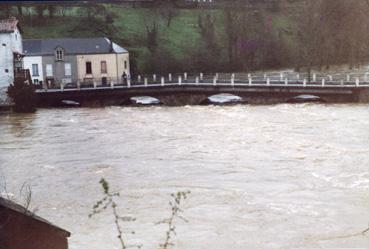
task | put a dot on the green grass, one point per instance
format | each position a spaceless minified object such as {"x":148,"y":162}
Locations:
{"x":181,"y":37}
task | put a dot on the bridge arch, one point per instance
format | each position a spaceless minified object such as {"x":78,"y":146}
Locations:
{"x":306,"y":98}
{"x":143,"y":100}
{"x":223,"y":99}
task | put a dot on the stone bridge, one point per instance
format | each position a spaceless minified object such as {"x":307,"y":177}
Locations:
{"x":178,"y":94}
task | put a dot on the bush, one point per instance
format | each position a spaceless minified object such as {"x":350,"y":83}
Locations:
{"x":23,"y":95}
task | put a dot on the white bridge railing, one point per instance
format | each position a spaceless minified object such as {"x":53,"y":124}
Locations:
{"x":221,"y":79}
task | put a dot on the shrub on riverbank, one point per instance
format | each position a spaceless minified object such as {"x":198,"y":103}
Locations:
{"x":23,"y":95}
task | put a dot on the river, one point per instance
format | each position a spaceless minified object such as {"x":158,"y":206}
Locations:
{"x":281,"y":176}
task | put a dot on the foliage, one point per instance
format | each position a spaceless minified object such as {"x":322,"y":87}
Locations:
{"x":109,"y":202}
{"x":176,"y":213}
{"x":23,"y":95}
{"x":301,"y":34}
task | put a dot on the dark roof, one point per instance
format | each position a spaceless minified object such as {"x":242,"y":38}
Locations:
{"x":8,"y":25}
{"x":98,"y":45}
{"x":8,"y":204}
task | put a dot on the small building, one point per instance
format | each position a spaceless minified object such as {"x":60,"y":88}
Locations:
{"x":65,"y":61}
{"x":11,"y":51}
{"x":21,"y":229}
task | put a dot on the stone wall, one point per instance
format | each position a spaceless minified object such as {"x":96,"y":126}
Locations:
{"x":5,"y":101}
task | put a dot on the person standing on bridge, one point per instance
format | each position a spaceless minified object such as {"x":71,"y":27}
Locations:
{"x":124,"y":77}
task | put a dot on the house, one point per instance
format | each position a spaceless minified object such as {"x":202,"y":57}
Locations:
{"x":63,"y":61}
{"x":11,"y":52}
{"x":21,"y":229}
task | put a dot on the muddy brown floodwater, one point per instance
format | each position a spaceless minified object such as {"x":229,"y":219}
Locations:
{"x":283,"y":176}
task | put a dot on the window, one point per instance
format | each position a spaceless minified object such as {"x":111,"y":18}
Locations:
{"x":125,"y":64}
{"x":6,"y":70}
{"x":67,"y":69}
{"x":103,"y":67}
{"x":35,"y":70}
{"x":88,"y":67}
{"x":49,"y":70}
{"x":59,"y":54}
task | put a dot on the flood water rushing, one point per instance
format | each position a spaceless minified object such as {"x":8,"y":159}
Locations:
{"x":282,"y":176}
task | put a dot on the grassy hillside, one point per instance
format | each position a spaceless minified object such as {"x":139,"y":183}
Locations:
{"x":131,"y":24}
{"x":178,"y":40}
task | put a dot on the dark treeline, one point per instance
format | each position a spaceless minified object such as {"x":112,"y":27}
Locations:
{"x":237,"y":37}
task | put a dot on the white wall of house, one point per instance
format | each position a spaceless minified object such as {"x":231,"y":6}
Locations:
{"x":34,"y":64}
{"x":9,"y":44}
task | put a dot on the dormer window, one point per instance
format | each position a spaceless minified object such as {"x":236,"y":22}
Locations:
{"x":59,"y":54}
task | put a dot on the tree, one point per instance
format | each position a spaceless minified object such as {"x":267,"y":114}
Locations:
{"x":208,"y":54}
{"x":319,"y":40}
{"x":5,"y":10}
{"x":167,"y":9}
{"x":40,"y":8}
{"x":309,"y":35}
{"x":23,"y":95}
{"x":20,"y":9}
{"x":51,"y":9}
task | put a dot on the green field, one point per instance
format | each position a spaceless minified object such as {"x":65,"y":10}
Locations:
{"x":179,"y":41}
{"x":131,"y":23}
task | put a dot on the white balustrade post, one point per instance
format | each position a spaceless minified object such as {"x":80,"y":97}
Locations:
{"x":185,"y":76}
{"x":145,"y":82}
{"x":330,"y":78}
{"x":162,"y":81}
{"x":250,"y":81}
{"x":201,"y":76}
{"x":197,"y":80}
{"x":112,"y":84}
{"x":286,"y":81}
{"x":95,"y":84}
{"x":232,"y":81}
{"x":314,"y":77}
{"x":357,"y":82}
{"x":216,"y":75}
{"x":129,"y":83}
{"x":304,"y":83}
{"x":154,"y":77}
{"x":281,"y":77}
{"x":249,"y":75}
{"x":298,"y":76}
{"x":179,"y":80}
{"x":348,"y":78}
{"x":268,"y":81}
{"x":170,"y":77}
{"x":215,"y":80}
{"x":265,"y":76}
{"x":139,"y":79}
{"x":323,"y":82}
{"x":61,"y":87}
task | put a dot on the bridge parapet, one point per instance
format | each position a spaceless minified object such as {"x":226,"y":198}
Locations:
{"x":285,"y":79}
